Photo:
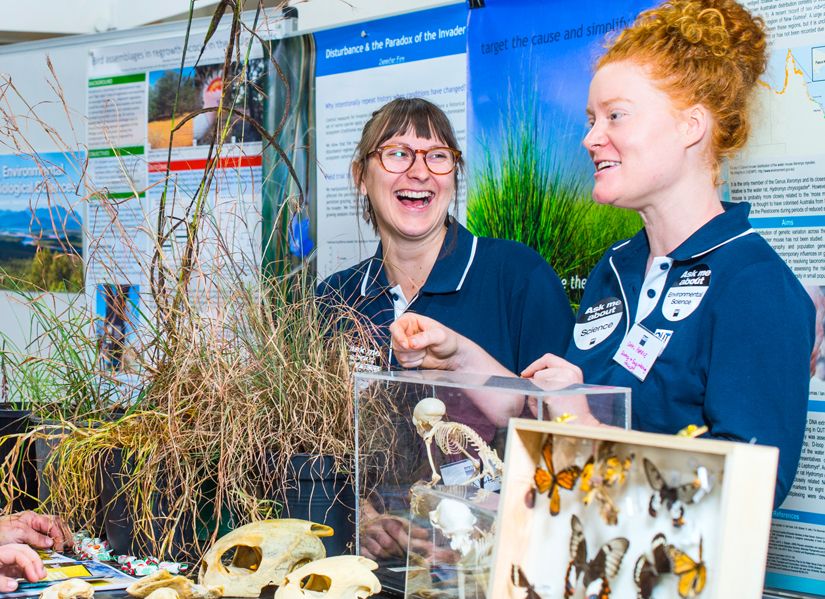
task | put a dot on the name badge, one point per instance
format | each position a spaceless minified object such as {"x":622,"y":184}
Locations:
{"x":638,"y":351}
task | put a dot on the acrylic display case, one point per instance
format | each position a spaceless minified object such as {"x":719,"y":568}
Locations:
{"x":462,"y":425}
{"x":594,"y":511}
{"x":451,"y":554}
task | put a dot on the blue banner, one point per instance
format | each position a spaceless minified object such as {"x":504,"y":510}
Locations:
{"x":395,"y":40}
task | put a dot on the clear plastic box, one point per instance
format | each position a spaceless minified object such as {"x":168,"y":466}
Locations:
{"x":392,"y":456}
{"x":452,"y":552}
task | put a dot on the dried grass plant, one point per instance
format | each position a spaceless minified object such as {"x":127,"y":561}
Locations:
{"x":234,"y":373}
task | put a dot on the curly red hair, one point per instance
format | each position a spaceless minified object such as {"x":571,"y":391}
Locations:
{"x":708,"y":52}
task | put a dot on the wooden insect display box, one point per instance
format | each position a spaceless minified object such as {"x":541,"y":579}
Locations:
{"x":608,"y":513}
{"x":445,"y":428}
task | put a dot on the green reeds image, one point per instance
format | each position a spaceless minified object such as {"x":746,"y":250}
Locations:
{"x":525,"y":190}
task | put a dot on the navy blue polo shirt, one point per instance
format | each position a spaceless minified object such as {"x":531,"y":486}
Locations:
{"x":738,"y":328}
{"x":500,"y":294}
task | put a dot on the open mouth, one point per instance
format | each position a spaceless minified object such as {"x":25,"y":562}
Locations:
{"x":606,"y":164}
{"x":415,"y":199}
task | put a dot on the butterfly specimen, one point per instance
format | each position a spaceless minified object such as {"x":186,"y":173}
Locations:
{"x":674,"y":498}
{"x":520,"y":580}
{"x":647,"y":571}
{"x":596,"y":572}
{"x":601,"y":472}
{"x":548,"y":481}
{"x":692,"y":574}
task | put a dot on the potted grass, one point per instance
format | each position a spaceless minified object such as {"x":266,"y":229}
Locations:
{"x":224,"y":408}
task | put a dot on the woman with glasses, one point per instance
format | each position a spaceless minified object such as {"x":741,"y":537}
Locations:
{"x":495,"y":292}
{"x":696,"y":313}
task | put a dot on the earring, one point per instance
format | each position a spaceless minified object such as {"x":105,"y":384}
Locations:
{"x":367,"y":213}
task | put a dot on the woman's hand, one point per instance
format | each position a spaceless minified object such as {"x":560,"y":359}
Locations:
{"x":551,"y":369}
{"x":19,"y":560}
{"x":421,"y":342}
{"x":38,"y":530}
{"x":384,"y":536}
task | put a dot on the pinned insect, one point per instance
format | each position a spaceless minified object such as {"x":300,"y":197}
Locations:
{"x":520,"y":580}
{"x":548,"y":481}
{"x":675,"y":498}
{"x":692,"y":574}
{"x":595,"y":573}
{"x":601,"y":472}
{"x":647,"y":570}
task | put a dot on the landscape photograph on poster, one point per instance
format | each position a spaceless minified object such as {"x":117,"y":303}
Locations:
{"x":41,"y":240}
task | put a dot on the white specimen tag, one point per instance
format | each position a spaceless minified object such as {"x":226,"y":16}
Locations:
{"x":457,"y":473}
{"x":639,"y":351}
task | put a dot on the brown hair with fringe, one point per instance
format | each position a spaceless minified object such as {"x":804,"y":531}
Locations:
{"x":708,"y":52}
{"x":398,"y":116}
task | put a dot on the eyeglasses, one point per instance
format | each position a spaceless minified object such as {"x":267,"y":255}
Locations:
{"x":399,"y":158}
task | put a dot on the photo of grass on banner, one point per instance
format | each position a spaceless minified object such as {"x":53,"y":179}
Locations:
{"x":530,"y":178}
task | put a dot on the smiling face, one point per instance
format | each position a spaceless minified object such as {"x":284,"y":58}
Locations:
{"x":638,"y":138}
{"x":411,"y":205}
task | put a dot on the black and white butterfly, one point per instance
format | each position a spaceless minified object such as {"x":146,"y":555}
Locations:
{"x":520,"y":581}
{"x":648,"y":569}
{"x":596,"y":572}
{"x":674,"y":498}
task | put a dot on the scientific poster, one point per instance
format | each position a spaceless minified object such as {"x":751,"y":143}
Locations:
{"x":152,"y":124}
{"x":360,"y":68}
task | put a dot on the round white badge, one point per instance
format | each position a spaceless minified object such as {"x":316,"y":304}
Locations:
{"x":595,"y":324}
{"x":686,"y":293}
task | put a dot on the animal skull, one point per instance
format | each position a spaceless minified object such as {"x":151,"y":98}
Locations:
{"x":265,"y":552}
{"x":457,"y":522}
{"x":340,"y":577}
{"x":73,"y":588}
{"x":165,"y":581}
{"x":428,"y":412}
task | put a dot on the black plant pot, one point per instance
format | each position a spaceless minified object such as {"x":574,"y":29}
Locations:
{"x":118,"y":524}
{"x":43,"y":448}
{"x":15,"y":422}
{"x":315,"y":491}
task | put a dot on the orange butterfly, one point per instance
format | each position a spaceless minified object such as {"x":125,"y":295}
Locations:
{"x":692,"y":574}
{"x":549,"y":482}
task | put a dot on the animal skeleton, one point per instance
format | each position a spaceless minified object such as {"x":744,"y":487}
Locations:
{"x":453,"y":438}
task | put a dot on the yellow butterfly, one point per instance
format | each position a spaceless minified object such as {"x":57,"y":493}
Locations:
{"x":549,"y":482}
{"x":692,"y":574}
{"x":599,"y":473}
